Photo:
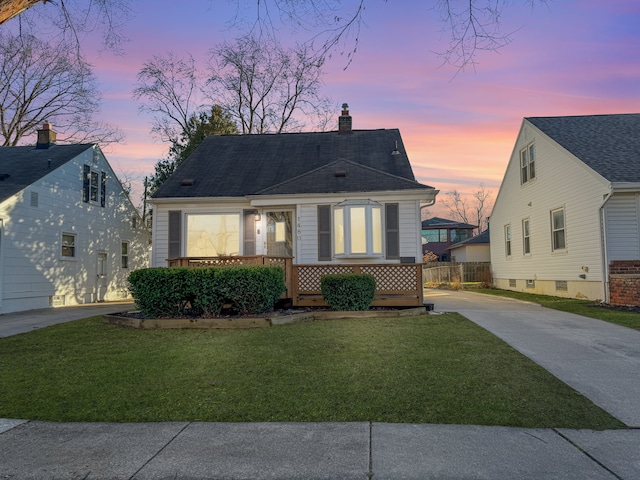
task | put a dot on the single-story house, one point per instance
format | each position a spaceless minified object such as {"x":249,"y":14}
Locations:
{"x":474,"y":249}
{"x":566,"y":221}
{"x":69,"y":233}
{"x":314,"y":203}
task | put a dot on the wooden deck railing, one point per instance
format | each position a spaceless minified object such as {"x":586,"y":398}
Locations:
{"x":397,"y":284}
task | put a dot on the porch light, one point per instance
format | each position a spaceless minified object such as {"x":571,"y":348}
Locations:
{"x":257,"y":217}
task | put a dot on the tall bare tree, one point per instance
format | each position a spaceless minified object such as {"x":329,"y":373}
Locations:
{"x":42,"y":82}
{"x":474,"y":209}
{"x":268,"y":88}
{"x":169,"y":88}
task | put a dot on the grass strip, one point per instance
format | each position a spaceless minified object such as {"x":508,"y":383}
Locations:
{"x":434,"y":369}
{"x":627,"y":317}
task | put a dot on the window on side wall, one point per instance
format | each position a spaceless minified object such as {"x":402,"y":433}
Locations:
{"x":68,"y":250}
{"x":558,"y":233}
{"x":507,"y":240}
{"x":526,"y":239}
{"x":527,"y":164}
{"x":125,"y":255}
{"x":94,"y":186}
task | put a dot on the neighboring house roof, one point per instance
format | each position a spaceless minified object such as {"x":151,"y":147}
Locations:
{"x":609,"y":144}
{"x":293,"y":163}
{"x":22,"y":166}
{"x":481,"y":239}
{"x":437,"y":222}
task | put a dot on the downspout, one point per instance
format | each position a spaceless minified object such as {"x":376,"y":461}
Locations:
{"x":605,"y":259}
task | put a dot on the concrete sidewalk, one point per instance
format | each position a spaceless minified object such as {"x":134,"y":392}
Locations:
{"x":596,"y":358}
{"x":256,"y":451}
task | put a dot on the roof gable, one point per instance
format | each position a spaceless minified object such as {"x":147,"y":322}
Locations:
{"x":437,"y":222}
{"x":292,"y":163}
{"x":26,"y":165}
{"x":608,"y":144}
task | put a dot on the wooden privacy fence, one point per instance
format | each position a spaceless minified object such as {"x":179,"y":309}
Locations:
{"x":457,"y":273}
{"x":398,"y":284}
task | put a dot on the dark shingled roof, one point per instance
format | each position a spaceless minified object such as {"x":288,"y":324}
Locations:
{"x":481,"y":239}
{"x":437,"y":222}
{"x":293,"y":163}
{"x":26,"y":165}
{"x":609,"y":144}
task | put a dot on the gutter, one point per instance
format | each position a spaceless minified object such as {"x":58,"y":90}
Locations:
{"x":603,"y":242}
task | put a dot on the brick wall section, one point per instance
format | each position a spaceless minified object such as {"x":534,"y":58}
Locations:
{"x":624,"y":282}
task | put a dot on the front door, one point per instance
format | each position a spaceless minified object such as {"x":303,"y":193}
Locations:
{"x":280,"y":234}
{"x":101,"y":278}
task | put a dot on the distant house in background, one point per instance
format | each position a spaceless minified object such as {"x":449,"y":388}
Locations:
{"x":313,"y":203}
{"x":438,"y":234}
{"x":566,"y":221}
{"x":69,"y":233}
{"x":474,"y":249}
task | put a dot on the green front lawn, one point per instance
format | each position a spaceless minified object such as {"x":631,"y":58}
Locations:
{"x":587,"y":308}
{"x":434,"y":369}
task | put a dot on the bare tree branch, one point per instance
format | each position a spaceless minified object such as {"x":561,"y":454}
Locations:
{"x":43,"y":82}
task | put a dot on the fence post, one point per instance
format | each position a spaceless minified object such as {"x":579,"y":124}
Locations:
{"x":461,"y":276}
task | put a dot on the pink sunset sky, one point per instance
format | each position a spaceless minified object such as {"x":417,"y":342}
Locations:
{"x":569,"y":57}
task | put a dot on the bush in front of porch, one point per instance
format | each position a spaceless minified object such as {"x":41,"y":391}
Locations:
{"x":177,"y":292}
{"x":348,"y":291}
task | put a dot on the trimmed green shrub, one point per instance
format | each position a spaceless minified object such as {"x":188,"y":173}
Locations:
{"x":208,"y":294}
{"x":348,"y":291}
{"x":176,"y":292}
{"x":162,"y":292}
{"x":252,"y":289}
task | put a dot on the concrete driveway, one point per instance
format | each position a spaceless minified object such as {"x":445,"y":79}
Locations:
{"x":599,"y":359}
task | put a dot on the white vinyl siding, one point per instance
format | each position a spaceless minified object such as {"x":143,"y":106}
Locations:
{"x":622,"y":224}
{"x":33,"y":270}
{"x":561,"y":181}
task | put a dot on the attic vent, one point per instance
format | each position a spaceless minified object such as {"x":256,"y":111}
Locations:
{"x":187,"y":182}
{"x":340,"y":173}
{"x":4,"y":176}
{"x":396,"y":151}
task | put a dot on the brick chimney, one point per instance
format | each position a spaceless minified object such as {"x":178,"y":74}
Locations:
{"x":344,"y":120}
{"x":46,"y":136}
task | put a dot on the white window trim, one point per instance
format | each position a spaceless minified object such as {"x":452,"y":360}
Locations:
{"x":526,"y":237}
{"x":508,"y":241}
{"x":75,"y":247}
{"x":346,"y":206}
{"x":526,"y":164}
{"x":553,"y":230}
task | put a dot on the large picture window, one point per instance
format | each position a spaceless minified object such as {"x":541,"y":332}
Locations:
{"x":357,"y":228}
{"x":213,"y":235}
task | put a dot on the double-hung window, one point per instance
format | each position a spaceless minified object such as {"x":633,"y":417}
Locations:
{"x":125,"y":254}
{"x":526,"y":238}
{"x":558,"y":234}
{"x":527,"y":164}
{"x":68,"y":246}
{"x":94,"y":186}
{"x":507,"y":240}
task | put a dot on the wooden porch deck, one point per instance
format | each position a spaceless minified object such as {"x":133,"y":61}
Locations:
{"x":397,"y":284}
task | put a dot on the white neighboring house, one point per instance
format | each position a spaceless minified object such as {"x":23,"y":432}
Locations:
{"x":334,"y":199}
{"x":568,"y":206}
{"x":69,"y":233}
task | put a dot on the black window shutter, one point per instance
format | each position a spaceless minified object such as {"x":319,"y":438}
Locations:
{"x":103,"y":189}
{"x":249,"y":240}
{"x":392,"y":227}
{"x":86,"y":179}
{"x":175,"y":233}
{"x":324,"y":232}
